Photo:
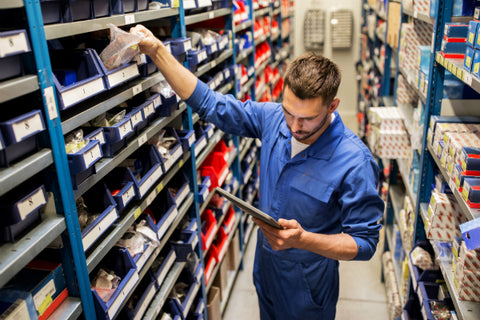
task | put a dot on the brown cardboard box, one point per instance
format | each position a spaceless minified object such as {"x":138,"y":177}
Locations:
{"x":221,"y":279}
{"x":232,"y":258}
{"x":394,"y":20}
{"x":213,"y":304}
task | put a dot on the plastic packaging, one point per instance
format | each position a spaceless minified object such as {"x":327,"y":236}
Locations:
{"x":105,"y":284}
{"x":74,"y":142}
{"x":122,"y":48}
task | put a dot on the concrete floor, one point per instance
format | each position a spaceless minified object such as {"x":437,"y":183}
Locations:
{"x":362,"y":294}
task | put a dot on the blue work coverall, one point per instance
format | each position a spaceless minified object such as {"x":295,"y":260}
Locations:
{"x":329,"y":188}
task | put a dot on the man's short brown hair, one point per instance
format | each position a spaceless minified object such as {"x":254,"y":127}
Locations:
{"x":311,"y":76}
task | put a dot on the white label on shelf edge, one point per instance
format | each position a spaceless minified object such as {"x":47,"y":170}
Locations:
{"x":467,"y":78}
{"x":92,"y":155}
{"x":122,"y":295}
{"x":129,"y":18}
{"x":123,"y":75}
{"x":32,"y":203}
{"x":211,"y":15}
{"x":44,"y":293}
{"x":51,"y":105}
{"x":142,"y":139}
{"x":167,"y":223}
{"x":74,"y":95}
{"x":90,"y":237}
{"x":136,"y":89}
{"x":157,"y":102}
{"x":191,"y":139}
{"x":200,"y":146}
{"x":13,"y":44}
{"x":27,"y":127}
{"x":128,"y":195}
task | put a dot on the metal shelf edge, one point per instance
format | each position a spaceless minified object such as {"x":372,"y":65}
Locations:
{"x":191,"y":19}
{"x":18,"y":87}
{"x":70,"y":309}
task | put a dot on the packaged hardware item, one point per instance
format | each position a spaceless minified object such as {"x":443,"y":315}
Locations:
{"x":105,"y":283}
{"x":122,"y":48}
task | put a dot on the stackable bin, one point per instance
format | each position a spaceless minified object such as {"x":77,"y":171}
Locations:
{"x":167,"y":106}
{"x":161,"y":213}
{"x":75,"y":10}
{"x":194,"y":282}
{"x":117,"y":76}
{"x":216,"y":168}
{"x":195,"y":58}
{"x":123,"y":6}
{"x":121,"y":185}
{"x":120,"y":261}
{"x":209,"y":228}
{"x":101,"y":8}
{"x":181,"y":184}
{"x":116,"y":137}
{"x":148,"y":107}
{"x":82,"y":162}
{"x":99,"y":200}
{"x":19,"y":136}
{"x":145,"y":291}
{"x":160,"y":270}
{"x":175,"y":151}
{"x":137,"y":120}
{"x":201,"y":140}
{"x":21,"y":210}
{"x":187,"y":138}
{"x":51,"y":11}
{"x":10,"y":57}
{"x":184,"y":243}
{"x":147,"y":68}
{"x":76,"y":76}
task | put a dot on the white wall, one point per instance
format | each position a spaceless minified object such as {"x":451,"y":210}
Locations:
{"x":345,"y":58}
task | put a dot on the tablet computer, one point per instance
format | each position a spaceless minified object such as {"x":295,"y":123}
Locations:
{"x":248,"y":208}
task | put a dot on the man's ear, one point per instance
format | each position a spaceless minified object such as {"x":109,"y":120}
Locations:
{"x":334,"y":105}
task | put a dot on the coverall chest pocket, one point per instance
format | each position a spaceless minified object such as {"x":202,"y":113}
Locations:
{"x":309,"y":203}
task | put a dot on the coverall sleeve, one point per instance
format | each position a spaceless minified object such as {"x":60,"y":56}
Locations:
{"x":362,"y":208}
{"x":226,"y":112}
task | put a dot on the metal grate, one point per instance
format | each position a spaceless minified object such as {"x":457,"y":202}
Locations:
{"x":341,"y":28}
{"x":314,"y":29}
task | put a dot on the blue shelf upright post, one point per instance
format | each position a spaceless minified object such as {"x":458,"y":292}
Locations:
{"x":52,"y":120}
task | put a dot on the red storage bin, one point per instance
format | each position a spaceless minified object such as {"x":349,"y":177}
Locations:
{"x":216,"y":168}
{"x":209,"y":228}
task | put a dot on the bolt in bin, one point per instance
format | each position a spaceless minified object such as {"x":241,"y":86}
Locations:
{"x":82,"y":163}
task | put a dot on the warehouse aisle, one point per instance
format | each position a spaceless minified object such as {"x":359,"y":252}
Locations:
{"x":362,"y":294}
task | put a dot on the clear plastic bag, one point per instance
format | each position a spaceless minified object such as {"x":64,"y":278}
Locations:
{"x":74,"y":142}
{"x":122,"y":48}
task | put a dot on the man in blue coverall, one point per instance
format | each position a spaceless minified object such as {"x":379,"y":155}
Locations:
{"x":317,"y":178}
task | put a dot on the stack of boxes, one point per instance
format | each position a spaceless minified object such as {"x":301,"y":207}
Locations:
{"x":472,"y":54}
{"x":455,"y":141}
{"x":444,"y":218}
{"x":388,"y":138}
{"x":466,"y":268}
{"x":454,"y":40}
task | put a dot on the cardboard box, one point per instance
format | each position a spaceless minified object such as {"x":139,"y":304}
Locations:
{"x":468,"y":61}
{"x":213,"y":304}
{"x":233,"y":254}
{"x":394,"y":20}
{"x":221,"y":280}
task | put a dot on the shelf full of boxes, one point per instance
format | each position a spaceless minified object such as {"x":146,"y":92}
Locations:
{"x":113,"y":184}
{"x":435,"y":89}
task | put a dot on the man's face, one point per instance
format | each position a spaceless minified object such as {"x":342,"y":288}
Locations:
{"x":306,"y":119}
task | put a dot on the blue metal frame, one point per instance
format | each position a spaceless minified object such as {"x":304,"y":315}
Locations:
{"x":45,"y":76}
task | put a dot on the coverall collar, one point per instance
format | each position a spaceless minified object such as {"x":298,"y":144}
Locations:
{"x":326,"y":144}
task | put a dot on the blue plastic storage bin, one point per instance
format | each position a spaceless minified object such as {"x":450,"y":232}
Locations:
{"x":75,"y":10}
{"x":51,"y":11}
{"x":123,"y":6}
{"x":195,"y":58}
{"x":11,"y":67}
{"x":140,"y":300}
{"x":98,"y":201}
{"x":194,"y":283}
{"x":142,"y":5}
{"x":163,"y":264}
{"x":18,"y":43}
{"x":187,"y":138}
{"x":137,"y":120}
{"x":167,"y":106}
{"x":118,"y":260}
{"x":20,"y":207}
{"x":148,"y":110}
{"x":101,"y":8}
{"x":184,"y":243}
{"x":116,"y":137}
{"x":180,"y":46}
{"x":19,"y":136}
{"x":86,"y":77}
{"x":162,"y":212}
{"x":179,"y":188}
{"x":117,"y":76}
{"x":121,"y":185}
{"x":150,"y":169}
{"x":201,"y":139}
{"x":82,"y":163}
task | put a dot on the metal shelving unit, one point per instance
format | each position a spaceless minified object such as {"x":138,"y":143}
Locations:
{"x":61,"y":122}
